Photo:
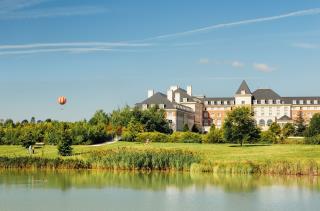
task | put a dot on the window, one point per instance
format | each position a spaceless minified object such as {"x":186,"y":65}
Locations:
{"x":315,"y":102}
{"x":301,"y":102}
{"x":243,"y":92}
{"x":161,"y":106}
{"x":255,"y":102}
{"x":278,"y":101}
{"x":294,"y":102}
{"x":269,"y":122}
{"x":263,"y":101}
{"x":308,"y":102}
{"x":225,"y":102}
{"x":212,"y":102}
{"x":270,"y":101}
{"x":145,"y":106}
{"x":243,"y":102}
{"x":262,"y":123}
{"x":219,"y":102}
{"x":219,"y":123}
{"x":205,"y":115}
{"x":185,"y":100}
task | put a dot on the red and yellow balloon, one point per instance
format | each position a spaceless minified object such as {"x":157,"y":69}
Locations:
{"x":62,"y":100}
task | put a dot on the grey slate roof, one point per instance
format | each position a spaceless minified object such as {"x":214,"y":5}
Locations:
{"x":284,"y":118}
{"x":289,"y":100}
{"x":158,"y":98}
{"x":243,"y":86}
{"x":265,"y":94}
{"x":184,"y":94}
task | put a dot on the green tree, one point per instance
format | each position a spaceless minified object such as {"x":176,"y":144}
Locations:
{"x":64,"y":147}
{"x":275,"y":128}
{"x":240,"y":127}
{"x":99,"y":117}
{"x":300,"y":125}
{"x":185,"y":128}
{"x":215,"y":135}
{"x":133,"y":129}
{"x":314,"y":126}
{"x":288,"y":130}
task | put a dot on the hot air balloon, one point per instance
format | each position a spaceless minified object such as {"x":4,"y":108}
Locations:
{"x":62,"y":100}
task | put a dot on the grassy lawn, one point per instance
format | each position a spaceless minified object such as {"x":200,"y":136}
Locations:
{"x":209,"y":152}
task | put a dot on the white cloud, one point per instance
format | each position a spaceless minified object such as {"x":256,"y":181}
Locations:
{"x":263,"y":67}
{"x":306,"y":45}
{"x":204,"y":61}
{"x":237,"y":64}
{"x":71,"y":47}
{"x":308,"y":12}
{"x":22,"y":9}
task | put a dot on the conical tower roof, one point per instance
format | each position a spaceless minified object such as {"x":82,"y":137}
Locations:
{"x":244,"y":86}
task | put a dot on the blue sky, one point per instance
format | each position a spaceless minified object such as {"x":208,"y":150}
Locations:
{"x":105,"y":54}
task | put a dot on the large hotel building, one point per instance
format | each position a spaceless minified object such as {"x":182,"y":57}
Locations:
{"x":182,"y":107}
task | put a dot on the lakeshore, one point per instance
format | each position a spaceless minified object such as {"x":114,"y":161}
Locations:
{"x":291,"y":159}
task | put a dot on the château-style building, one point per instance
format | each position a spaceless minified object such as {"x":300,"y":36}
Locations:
{"x":182,"y":107}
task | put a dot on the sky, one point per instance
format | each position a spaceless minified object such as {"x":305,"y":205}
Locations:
{"x":105,"y":54}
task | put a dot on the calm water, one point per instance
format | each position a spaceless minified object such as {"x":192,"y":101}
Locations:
{"x":98,"y":190}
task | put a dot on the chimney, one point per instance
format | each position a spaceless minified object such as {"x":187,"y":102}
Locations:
{"x":170,"y":95}
{"x":150,"y":93}
{"x":189,"y":90}
{"x":177,"y":97}
{"x":174,"y":88}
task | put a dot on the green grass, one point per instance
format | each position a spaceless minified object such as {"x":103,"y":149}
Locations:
{"x":228,"y":158}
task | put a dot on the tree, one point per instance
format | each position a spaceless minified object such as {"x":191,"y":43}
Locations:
{"x":64,"y":147}
{"x":133,"y":129}
{"x":185,"y":128}
{"x":314,"y":126}
{"x":300,"y":124}
{"x":275,"y":129}
{"x":240,"y":126}
{"x":27,"y":137}
{"x":288,"y":130}
{"x":9,"y":123}
{"x":99,"y":117}
{"x":33,"y":120}
{"x":215,"y":135}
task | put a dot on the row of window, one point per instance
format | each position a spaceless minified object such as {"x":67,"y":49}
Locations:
{"x":263,"y":123}
{"x":219,"y":102}
{"x":146,"y":106}
{"x":302,"y":102}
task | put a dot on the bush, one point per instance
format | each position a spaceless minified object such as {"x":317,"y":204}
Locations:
{"x":313,"y":139}
{"x":64,"y":147}
{"x":152,"y":136}
{"x":214,"y":136}
{"x":267,"y":137}
{"x":185,"y":137}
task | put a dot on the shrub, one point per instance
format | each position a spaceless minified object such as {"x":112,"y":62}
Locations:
{"x":268,"y":137}
{"x":64,"y":147}
{"x":214,"y":136}
{"x":152,"y":136}
{"x":313,"y":140}
{"x":185,"y":137}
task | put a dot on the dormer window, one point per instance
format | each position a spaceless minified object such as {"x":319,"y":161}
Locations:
{"x":212,"y":102}
{"x":270,"y":101}
{"x":255,"y":102}
{"x":219,"y":102}
{"x":243,"y":92}
{"x":301,"y":102}
{"x":263,"y":101}
{"x":161,"y":106}
{"x":185,"y":100}
{"x":315,"y":102}
{"x":294,"y":102}
{"x":278,"y":101}
{"x":225,"y":102}
{"x":308,"y":102}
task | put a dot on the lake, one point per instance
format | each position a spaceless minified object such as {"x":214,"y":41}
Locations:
{"x":102,"y":190}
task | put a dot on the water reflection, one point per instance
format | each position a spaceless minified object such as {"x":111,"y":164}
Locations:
{"x":156,"y":181}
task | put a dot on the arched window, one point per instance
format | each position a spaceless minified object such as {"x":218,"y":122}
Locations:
{"x":262,"y":123}
{"x":269,"y":122}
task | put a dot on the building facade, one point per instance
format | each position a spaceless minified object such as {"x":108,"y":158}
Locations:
{"x":182,"y":107}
